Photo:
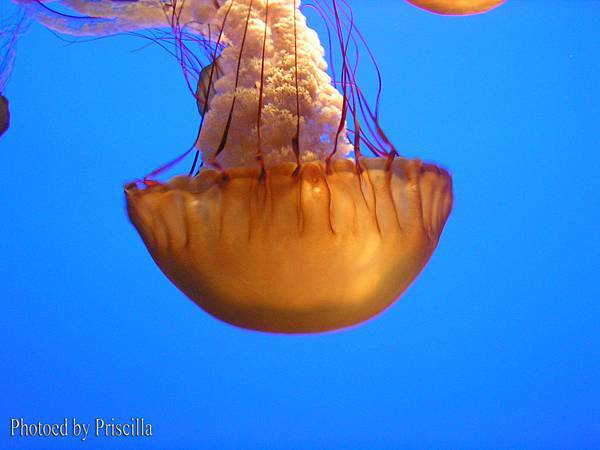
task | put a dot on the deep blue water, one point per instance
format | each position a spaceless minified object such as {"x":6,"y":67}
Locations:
{"x":496,"y":345}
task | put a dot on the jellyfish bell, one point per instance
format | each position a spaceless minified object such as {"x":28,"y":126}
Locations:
{"x":286,"y":226}
{"x":457,"y":7}
{"x":307,"y":253}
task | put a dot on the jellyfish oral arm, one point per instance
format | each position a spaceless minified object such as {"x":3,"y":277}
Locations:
{"x":277,"y":63}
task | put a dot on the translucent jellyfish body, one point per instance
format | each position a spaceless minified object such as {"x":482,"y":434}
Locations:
{"x":286,"y":226}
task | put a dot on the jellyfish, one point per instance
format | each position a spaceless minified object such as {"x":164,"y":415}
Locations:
{"x":457,"y":7}
{"x":297,"y":215}
{"x":4,"y":115}
{"x":12,"y":25}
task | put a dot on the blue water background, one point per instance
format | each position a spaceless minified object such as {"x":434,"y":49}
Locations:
{"x":496,"y":345}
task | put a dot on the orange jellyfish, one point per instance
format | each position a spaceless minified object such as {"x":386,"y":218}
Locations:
{"x":457,"y":7}
{"x":285,"y":225}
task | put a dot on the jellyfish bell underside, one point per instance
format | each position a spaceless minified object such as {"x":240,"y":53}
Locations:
{"x":457,"y":7}
{"x":286,"y":227}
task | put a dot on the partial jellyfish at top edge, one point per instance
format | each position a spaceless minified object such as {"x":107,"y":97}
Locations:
{"x":457,"y":7}
{"x":296,"y":213}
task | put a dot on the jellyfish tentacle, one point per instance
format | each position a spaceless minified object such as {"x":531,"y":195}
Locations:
{"x":166,"y":166}
{"x":77,"y":25}
{"x":390,"y":160}
{"x":261,"y":98}
{"x":107,"y":17}
{"x":296,"y":137}
{"x":11,"y":28}
{"x":210,"y":82}
{"x":369,"y":115}
{"x":235,"y":89}
{"x":342,"y":123}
